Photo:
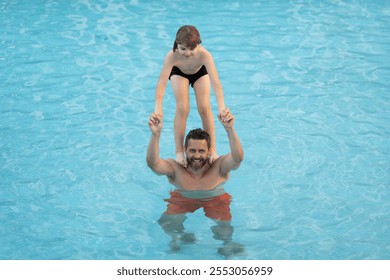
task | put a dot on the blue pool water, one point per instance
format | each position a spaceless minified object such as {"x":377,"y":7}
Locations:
{"x":308,"y":82}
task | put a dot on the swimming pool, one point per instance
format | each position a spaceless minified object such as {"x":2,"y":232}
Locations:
{"x":305,"y":79}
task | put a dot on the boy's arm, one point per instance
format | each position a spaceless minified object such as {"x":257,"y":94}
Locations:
{"x":233,"y":159}
{"x":214,"y":80}
{"x":162,"y":84}
{"x":158,"y":165}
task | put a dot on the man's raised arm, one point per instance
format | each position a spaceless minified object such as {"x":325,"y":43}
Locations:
{"x":158,"y":165}
{"x":233,"y":159}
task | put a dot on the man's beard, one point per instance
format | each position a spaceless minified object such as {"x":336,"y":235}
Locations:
{"x":196,"y":163}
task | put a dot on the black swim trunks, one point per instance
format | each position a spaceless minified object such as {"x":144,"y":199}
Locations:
{"x":191,"y":78}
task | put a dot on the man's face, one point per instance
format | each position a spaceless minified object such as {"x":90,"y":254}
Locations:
{"x":197,"y":153}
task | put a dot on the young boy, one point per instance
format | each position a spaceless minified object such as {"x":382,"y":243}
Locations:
{"x":188,"y":63}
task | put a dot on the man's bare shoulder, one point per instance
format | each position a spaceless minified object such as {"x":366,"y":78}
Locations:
{"x":219,"y":162}
{"x":219,"y":159}
{"x":174,"y":164}
{"x":171,"y":161}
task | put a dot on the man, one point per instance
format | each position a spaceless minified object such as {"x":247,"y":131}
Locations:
{"x":200,"y":184}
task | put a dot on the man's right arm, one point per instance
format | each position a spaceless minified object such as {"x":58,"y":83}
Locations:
{"x":158,"y":165}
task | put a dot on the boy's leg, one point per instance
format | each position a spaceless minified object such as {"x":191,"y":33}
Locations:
{"x":180,"y":90}
{"x":202,"y":94}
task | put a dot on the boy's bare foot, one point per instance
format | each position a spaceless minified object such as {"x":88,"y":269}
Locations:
{"x":181,"y":159}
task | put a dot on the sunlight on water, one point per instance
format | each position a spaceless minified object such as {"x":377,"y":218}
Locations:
{"x":307,"y":81}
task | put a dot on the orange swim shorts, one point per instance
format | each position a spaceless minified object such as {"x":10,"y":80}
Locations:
{"x":216,"y":207}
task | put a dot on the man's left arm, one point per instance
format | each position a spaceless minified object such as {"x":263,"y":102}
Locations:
{"x":232,"y":160}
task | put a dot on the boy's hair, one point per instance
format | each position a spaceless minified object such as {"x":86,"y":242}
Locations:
{"x":197,"y":134}
{"x":187,"y":35}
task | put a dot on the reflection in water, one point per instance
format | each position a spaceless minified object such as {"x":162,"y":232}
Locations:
{"x":216,"y":208}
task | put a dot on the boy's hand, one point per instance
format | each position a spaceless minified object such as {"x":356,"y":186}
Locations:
{"x":155,"y":123}
{"x":226,"y":118}
{"x":223,"y":112}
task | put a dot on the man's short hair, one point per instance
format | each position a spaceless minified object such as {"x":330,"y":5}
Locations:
{"x":197,"y":134}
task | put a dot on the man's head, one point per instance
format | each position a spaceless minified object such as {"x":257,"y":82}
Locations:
{"x":197,"y":147}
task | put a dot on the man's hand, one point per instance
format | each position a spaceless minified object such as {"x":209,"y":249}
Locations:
{"x":155,"y":123}
{"x":226,"y":119}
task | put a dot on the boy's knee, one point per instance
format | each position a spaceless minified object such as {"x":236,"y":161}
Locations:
{"x":182,"y":111}
{"x":204,"y":110}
